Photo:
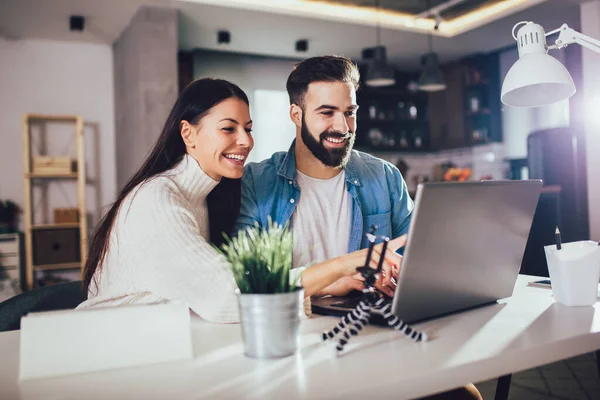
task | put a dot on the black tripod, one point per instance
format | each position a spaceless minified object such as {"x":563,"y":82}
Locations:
{"x":353,"y":322}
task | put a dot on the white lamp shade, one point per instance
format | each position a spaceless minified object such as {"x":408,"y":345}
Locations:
{"x":536,"y":79}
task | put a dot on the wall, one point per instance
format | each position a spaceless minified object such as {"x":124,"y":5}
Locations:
{"x":263,"y":79}
{"x":145,"y":65}
{"x":590,"y":26}
{"x":48,"y":77}
{"x":247,"y":71}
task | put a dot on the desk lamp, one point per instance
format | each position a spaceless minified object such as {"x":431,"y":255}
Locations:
{"x":538,"y":79}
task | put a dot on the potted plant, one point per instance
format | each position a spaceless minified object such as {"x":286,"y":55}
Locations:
{"x":269,"y":303}
{"x":9,"y":210}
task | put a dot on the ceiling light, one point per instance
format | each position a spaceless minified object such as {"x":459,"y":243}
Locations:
{"x":379,"y":73}
{"x":223,"y":37}
{"x":302,"y":45}
{"x":431,"y":78}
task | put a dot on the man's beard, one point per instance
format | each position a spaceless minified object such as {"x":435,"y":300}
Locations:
{"x":337,"y":158}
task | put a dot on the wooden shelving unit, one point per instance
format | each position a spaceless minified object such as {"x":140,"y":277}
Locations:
{"x":46,"y":267}
{"x":54,"y":226}
{"x":52,"y":176}
{"x":30,"y":180}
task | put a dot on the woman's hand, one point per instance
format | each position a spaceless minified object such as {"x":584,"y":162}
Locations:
{"x":343,"y":286}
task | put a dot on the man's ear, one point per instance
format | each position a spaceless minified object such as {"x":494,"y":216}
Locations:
{"x":187,"y":133}
{"x":296,"y":115}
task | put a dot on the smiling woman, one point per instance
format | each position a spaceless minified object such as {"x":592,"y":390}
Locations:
{"x":219,"y":142}
{"x":155,"y":242}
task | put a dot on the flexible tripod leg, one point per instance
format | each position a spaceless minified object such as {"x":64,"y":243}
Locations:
{"x":357,"y":326}
{"x":349,"y":318}
{"x":400,"y":325}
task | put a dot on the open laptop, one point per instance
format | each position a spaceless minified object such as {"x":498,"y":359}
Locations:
{"x":465,"y":245}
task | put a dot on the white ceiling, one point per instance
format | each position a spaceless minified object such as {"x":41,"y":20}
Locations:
{"x":393,"y":14}
{"x":273,"y":34}
{"x":49,"y":19}
{"x":266,"y":33}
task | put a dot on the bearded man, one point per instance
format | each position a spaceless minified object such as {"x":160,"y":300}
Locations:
{"x":327,"y":192}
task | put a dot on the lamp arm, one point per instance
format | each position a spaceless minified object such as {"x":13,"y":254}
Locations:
{"x":569,"y":36}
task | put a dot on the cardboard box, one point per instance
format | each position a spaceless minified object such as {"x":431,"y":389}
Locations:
{"x":66,"y":215}
{"x":53,"y":165}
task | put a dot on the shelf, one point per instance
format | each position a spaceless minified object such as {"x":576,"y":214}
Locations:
{"x":551,"y":189}
{"x":55,"y":226}
{"x":477,"y":84}
{"x":478,"y":113}
{"x":73,"y":175}
{"x":387,"y":91}
{"x":62,"y":118}
{"x":382,"y":151}
{"x":393,"y":121}
{"x":46,"y":267}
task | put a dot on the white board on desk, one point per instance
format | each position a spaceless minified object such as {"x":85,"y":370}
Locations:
{"x":59,"y":343}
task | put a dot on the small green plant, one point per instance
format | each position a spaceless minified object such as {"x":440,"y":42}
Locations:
{"x":261,"y":259}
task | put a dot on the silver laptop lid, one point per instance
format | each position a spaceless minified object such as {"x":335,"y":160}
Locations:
{"x":465,"y":245}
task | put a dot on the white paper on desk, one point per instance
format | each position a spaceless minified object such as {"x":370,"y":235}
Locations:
{"x":59,"y":343}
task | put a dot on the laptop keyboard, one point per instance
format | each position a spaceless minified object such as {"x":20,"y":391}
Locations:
{"x":348,"y":303}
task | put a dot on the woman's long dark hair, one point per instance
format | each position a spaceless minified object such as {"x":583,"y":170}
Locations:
{"x":223,"y":202}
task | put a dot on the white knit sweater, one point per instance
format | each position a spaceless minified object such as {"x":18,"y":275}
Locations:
{"x":159,"y":249}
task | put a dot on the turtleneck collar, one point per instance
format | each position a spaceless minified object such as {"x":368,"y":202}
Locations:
{"x":193,"y":182}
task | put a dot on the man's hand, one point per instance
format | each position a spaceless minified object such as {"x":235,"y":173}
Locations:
{"x":386,"y":281}
{"x":354,"y":281}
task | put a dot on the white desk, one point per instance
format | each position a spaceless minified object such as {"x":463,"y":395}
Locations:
{"x":521,"y":332}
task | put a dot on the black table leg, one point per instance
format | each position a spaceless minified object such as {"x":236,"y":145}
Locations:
{"x":503,"y":386}
{"x":598,"y":362}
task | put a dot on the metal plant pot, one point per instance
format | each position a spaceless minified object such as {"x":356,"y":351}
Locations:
{"x":270,"y":323}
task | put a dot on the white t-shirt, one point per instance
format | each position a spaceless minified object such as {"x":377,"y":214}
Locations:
{"x":321,"y":221}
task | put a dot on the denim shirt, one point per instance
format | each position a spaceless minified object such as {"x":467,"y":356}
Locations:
{"x":378,"y":191}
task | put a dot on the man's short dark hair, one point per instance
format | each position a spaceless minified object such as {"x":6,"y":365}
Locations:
{"x":320,"y":69}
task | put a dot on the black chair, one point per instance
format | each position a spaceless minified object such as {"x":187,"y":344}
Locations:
{"x":62,"y":296}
